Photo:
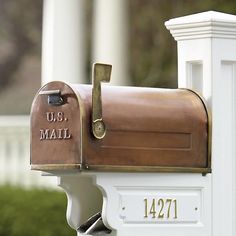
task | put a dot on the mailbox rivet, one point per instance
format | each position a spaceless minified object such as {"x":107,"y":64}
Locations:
{"x":196,"y":208}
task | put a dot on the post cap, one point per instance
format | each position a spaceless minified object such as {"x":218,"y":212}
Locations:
{"x":209,"y":24}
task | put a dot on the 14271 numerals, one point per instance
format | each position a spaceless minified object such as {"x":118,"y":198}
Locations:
{"x":161,"y":208}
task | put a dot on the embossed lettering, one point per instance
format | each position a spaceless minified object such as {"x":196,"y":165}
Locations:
{"x":66,"y":134}
{"x":53,"y":134}
{"x":47,"y":134}
{"x":56,"y":117}
{"x":60,"y":134}
{"x":44,"y":134}
{"x":60,"y":116}
{"x":165,"y":208}
{"x":50,"y":116}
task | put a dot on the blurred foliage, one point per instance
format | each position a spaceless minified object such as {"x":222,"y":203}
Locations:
{"x":32,"y":212}
{"x":152,"y":50}
{"x":20,"y":49}
{"x":20,"y":34}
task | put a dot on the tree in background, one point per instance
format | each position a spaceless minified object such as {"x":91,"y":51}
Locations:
{"x":20,"y":34}
{"x":20,"y":47}
{"x":152,"y":49}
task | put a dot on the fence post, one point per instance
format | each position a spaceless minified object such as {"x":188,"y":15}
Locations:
{"x":207,"y":63}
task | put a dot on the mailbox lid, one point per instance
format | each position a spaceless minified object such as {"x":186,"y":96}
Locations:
{"x":147,"y":129}
{"x":56,"y":129}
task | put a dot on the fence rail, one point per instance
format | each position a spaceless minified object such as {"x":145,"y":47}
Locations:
{"x":15,"y":155}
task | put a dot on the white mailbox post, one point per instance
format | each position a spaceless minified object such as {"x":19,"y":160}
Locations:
{"x":176,"y":203}
{"x":207,"y":63}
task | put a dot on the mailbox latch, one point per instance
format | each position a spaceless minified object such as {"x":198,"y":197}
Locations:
{"x":54,"y":97}
{"x":101,"y":73}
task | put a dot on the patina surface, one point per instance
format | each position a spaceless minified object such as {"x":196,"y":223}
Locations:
{"x":147,"y":129}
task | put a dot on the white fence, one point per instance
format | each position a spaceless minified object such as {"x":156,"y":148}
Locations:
{"x":15,"y":155}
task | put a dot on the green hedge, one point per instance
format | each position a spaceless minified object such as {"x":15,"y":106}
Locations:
{"x":33,"y":213}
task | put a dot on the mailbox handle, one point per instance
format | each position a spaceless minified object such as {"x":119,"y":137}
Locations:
{"x":101,"y":73}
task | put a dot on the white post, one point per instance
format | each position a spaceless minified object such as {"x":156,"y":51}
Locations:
{"x":207,"y":63}
{"x":123,"y":207}
{"x":63,"y":56}
{"x":110,"y":37}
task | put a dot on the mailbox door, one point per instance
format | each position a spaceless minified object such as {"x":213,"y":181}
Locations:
{"x":55,"y":128}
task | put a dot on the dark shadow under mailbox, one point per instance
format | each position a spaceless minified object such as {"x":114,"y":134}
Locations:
{"x":146,"y":129}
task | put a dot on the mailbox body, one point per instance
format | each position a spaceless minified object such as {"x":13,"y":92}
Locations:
{"x":148,"y":129}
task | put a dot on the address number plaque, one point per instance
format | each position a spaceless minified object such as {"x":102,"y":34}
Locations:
{"x":171,"y":207}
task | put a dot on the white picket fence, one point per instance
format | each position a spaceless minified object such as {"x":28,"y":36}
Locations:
{"x":15,"y":155}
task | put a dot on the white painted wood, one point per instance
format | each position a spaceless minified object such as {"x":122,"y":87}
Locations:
{"x":63,"y":49}
{"x":125,"y":220}
{"x":15,"y":154}
{"x":123,"y":205}
{"x":209,"y":38}
{"x":110,"y":37}
{"x":84,"y":199}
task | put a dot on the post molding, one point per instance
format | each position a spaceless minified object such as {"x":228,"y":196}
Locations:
{"x":203,"y":25}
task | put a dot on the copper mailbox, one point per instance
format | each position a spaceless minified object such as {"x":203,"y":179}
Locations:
{"x":142,"y":129}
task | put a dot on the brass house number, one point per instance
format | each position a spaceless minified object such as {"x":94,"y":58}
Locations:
{"x":160,"y":208}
